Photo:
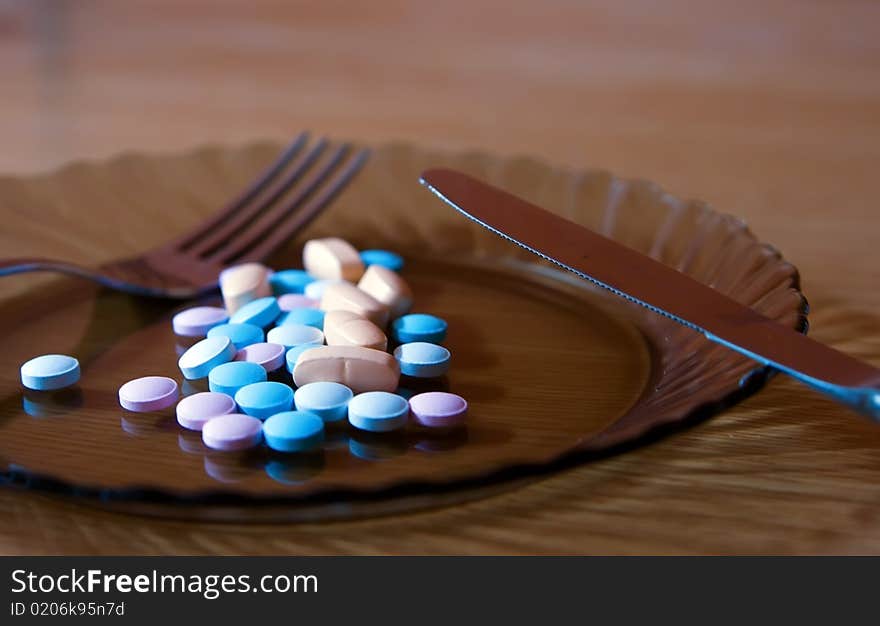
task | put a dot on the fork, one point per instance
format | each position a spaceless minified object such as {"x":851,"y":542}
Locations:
{"x":281,"y":201}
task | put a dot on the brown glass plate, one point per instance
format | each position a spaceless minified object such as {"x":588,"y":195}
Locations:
{"x":555,"y":371}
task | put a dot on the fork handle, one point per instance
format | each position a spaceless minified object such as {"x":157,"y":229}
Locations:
{"x":9,"y":267}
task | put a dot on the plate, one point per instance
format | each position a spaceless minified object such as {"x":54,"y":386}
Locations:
{"x":555,"y":371}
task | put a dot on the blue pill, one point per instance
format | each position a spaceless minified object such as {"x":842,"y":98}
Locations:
{"x":419,"y":327}
{"x":327,"y":400}
{"x":260,"y":312}
{"x":422,"y":360}
{"x":290,"y":281}
{"x":304,"y":316}
{"x":241,"y":335}
{"x":293,"y":354}
{"x":290,"y":335}
{"x":264,"y":399}
{"x":230,"y":377}
{"x":385,"y":258}
{"x":293,"y":431}
{"x":50,"y":371}
{"x":378,"y":411}
{"x":204,"y":356}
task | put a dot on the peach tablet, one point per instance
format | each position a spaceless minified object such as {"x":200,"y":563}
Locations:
{"x":388,"y":288}
{"x":243,"y":283}
{"x":360,"y":369}
{"x":347,"y":297}
{"x":332,"y":258}
{"x":344,"y":328}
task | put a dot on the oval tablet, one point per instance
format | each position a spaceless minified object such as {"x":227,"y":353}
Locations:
{"x":240,"y":335}
{"x":204,"y":356}
{"x":290,"y":335}
{"x":232,"y":432}
{"x":50,"y":371}
{"x":385,"y":258}
{"x":344,"y":328}
{"x":229,"y":377}
{"x":347,"y":297}
{"x":289,"y":281}
{"x":438,"y":409}
{"x":360,"y":369}
{"x":378,"y":411}
{"x":389,"y":288}
{"x":327,"y":400}
{"x":270,"y":356}
{"x":150,"y":393}
{"x":419,"y":327}
{"x":197,"y":321}
{"x":293,"y":431}
{"x":243,"y":283}
{"x":422,"y":360}
{"x":195,"y":410}
{"x":291,"y":301}
{"x":260,"y":312}
{"x":303,"y":315}
{"x":264,"y":398}
{"x":332,"y":258}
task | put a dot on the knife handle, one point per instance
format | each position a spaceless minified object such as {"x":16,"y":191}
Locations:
{"x":842,"y":377}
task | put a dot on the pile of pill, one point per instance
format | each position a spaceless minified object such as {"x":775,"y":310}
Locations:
{"x":292,"y":351}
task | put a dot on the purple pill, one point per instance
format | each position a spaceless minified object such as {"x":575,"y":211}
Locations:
{"x":197,"y":321}
{"x":438,"y":409}
{"x":269,"y":355}
{"x":195,"y":410}
{"x":150,"y":393}
{"x":234,"y":431}
{"x":290,"y":301}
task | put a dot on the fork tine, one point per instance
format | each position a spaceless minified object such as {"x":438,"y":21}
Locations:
{"x":299,"y":220}
{"x":235,"y":246}
{"x":215,"y":240}
{"x":245,"y":196}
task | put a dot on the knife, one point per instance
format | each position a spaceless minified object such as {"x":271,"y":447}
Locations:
{"x":661,"y":289}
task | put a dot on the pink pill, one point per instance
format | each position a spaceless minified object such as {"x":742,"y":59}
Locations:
{"x":438,"y":409}
{"x":150,"y":393}
{"x":232,"y":432}
{"x":195,"y":410}
{"x":291,"y":301}
{"x":269,"y":355}
{"x":197,"y":321}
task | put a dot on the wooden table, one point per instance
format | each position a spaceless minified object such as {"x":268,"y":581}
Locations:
{"x":767,"y":109}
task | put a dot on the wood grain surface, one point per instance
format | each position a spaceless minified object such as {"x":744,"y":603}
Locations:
{"x":768,"y":110}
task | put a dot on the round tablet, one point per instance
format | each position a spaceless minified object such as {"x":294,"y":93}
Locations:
{"x":270,"y":356}
{"x":293,"y":431}
{"x":198,"y":320}
{"x":419,"y":327}
{"x":50,"y":371}
{"x":385,"y":258}
{"x":260,"y":312}
{"x":304,"y":315}
{"x":422,"y":360}
{"x":291,"y":301}
{"x":294,"y":352}
{"x":289,"y":281}
{"x":378,"y":411}
{"x":232,"y":432}
{"x":150,"y":393}
{"x":264,"y":399}
{"x":291,"y":335}
{"x":327,"y":400}
{"x":195,"y":410}
{"x":438,"y":409}
{"x":229,"y":377}
{"x":240,"y":335}
{"x":315,"y":290}
{"x":204,"y":356}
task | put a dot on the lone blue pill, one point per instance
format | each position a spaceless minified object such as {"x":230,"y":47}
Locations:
{"x":293,"y":431}
{"x":264,"y":399}
{"x":230,"y":377}
{"x":378,"y":411}
{"x":327,"y":400}
{"x":241,"y":335}
{"x":422,"y":360}
{"x":205,"y":355}
{"x":385,"y":258}
{"x":419,"y":327}
{"x":50,"y":371}
{"x":260,"y":312}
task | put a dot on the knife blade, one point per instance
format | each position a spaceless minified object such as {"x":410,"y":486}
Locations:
{"x":660,"y":288}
